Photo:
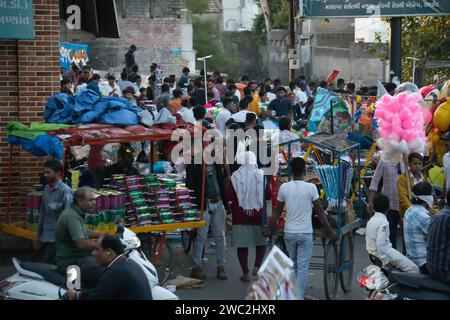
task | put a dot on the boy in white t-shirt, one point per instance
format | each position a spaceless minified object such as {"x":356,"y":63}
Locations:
{"x":301,"y":199}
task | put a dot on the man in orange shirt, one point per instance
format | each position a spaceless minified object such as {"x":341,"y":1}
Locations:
{"x":175,"y":104}
{"x":242,"y":84}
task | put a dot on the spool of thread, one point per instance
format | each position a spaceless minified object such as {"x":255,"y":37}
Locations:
{"x":139,"y":202}
{"x":136,"y":194}
{"x":30,"y":201}
{"x":106,"y":202}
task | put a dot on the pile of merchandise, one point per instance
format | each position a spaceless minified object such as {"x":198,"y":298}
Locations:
{"x":110,"y":204}
{"x":154,"y":200}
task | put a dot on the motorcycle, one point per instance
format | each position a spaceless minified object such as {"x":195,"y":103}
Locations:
{"x":381,"y":283}
{"x":39,"y":281}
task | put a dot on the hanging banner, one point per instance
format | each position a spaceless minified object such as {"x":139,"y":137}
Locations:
{"x":375,"y":8}
{"x":72,"y":53}
{"x":16,"y":19}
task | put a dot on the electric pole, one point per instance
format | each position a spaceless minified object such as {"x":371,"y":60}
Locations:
{"x":292,"y":47}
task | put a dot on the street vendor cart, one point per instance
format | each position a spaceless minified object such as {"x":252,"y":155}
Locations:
{"x":96,"y":134}
{"x":337,"y":260}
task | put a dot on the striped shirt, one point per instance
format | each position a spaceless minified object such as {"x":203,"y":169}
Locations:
{"x":389,"y":173}
{"x":415,"y":231}
{"x":438,"y":254}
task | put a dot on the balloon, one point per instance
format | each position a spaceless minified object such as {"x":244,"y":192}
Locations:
{"x":441,"y":118}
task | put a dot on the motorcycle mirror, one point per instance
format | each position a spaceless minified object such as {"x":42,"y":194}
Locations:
{"x":120,"y":230}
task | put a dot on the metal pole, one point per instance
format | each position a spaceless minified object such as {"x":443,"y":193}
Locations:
{"x":206,"y":87}
{"x":291,"y":35}
{"x":414,"y":71}
{"x":332,"y":120}
{"x":396,"y":48}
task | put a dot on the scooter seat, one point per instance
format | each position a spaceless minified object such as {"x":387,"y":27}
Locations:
{"x":418,"y":280}
{"x":47,"y":271}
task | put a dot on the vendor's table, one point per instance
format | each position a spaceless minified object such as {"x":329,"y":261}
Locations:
{"x":337,"y":260}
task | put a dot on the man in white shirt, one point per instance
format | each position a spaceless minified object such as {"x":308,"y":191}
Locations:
{"x":446,"y":165}
{"x":300,"y":198}
{"x":186,"y":113}
{"x":225,"y":115}
{"x":123,"y":83}
{"x":377,"y":238}
{"x":241,"y":116}
{"x":300,"y":93}
{"x":110,"y":89}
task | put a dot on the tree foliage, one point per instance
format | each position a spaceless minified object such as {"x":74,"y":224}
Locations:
{"x":426,"y":38}
{"x":278,"y":11}
{"x":197,"y":6}
{"x":207,"y":39}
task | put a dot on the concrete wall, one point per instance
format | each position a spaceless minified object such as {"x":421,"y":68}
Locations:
{"x":326,"y":46}
{"x":238,"y":15}
{"x":275,"y":55}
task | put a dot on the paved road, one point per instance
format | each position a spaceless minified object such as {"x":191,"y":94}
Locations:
{"x":233,"y":288}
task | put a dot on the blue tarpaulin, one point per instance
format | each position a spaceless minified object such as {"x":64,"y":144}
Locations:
{"x":41,"y":146}
{"x":88,"y":107}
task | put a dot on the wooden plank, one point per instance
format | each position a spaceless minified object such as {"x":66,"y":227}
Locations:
{"x":18,"y":231}
{"x":31,"y":235}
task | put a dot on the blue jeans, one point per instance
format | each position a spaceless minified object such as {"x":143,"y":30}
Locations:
{"x":217,"y":221}
{"x":300,"y":248}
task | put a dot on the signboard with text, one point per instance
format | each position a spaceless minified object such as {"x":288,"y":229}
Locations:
{"x":16,"y":19}
{"x":365,"y":8}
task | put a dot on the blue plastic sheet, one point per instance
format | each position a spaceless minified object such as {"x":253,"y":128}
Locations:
{"x":88,"y":107}
{"x":41,"y":146}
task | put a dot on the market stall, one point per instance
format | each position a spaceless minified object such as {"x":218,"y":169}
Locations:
{"x":148,"y":203}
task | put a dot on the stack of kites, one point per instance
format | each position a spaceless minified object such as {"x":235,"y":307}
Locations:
{"x":332,"y":181}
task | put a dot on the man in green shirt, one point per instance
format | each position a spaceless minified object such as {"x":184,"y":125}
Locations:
{"x":73,"y":246}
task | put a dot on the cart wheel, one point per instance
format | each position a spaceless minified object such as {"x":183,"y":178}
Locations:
{"x":153,"y":245}
{"x":346,"y":257}
{"x":187,"y":239}
{"x":330,"y":277}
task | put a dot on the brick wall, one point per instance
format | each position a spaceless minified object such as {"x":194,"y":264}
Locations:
{"x":154,"y":37}
{"x":29,"y":74}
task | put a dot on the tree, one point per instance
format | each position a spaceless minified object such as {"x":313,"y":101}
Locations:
{"x":274,"y":15}
{"x":197,"y":6}
{"x":426,"y":38}
{"x":207,"y":39}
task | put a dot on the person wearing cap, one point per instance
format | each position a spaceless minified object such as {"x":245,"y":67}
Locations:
{"x":415,"y":225}
{"x":124,"y":164}
{"x":129,"y":57}
{"x":446,"y":165}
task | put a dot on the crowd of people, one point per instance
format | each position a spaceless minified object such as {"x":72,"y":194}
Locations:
{"x":237,"y":189}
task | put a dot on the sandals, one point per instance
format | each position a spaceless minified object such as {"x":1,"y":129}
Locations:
{"x":245,"y":278}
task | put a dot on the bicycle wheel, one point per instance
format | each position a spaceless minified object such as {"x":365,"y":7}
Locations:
{"x":346,"y":257}
{"x":330,"y":277}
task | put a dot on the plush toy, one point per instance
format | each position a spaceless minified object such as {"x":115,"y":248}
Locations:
{"x":401,"y":124}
